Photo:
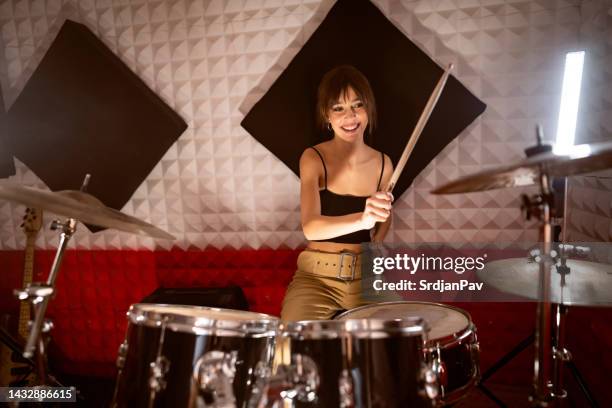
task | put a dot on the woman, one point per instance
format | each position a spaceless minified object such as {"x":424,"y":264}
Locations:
{"x":341,"y":200}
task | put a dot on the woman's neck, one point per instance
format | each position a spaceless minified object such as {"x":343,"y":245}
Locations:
{"x":352,"y":152}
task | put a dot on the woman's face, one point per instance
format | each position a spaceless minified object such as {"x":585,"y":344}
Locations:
{"x":348,"y":116}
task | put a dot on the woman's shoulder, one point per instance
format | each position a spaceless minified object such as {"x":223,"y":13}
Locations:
{"x":310,"y":153}
{"x":310,"y":160}
{"x":316,"y":152}
{"x":377,"y":154}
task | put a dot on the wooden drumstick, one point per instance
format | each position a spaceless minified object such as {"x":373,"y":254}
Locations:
{"x":414,"y":138}
{"x":416,"y":133}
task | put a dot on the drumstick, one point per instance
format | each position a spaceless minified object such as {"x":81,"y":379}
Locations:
{"x":416,"y":133}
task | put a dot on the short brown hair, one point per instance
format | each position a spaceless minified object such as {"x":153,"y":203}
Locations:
{"x":336,"y":82}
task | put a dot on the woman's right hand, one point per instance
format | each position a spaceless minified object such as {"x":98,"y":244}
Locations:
{"x":377,"y":209}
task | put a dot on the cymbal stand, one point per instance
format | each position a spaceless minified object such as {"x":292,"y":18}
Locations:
{"x":562,"y":356}
{"x":40,"y":294}
{"x":540,"y":206}
{"x":560,"y":353}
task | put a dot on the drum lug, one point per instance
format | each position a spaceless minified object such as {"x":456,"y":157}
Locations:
{"x":433,"y":374}
{"x":304,"y":376}
{"x":296,"y":381}
{"x":158,"y":368}
{"x":121,"y":354}
{"x":214,"y":374}
{"x":429,"y":378}
{"x":347,"y":389}
{"x":475,"y":351}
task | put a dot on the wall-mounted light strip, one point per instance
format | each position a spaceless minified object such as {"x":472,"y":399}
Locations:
{"x":570,"y":99}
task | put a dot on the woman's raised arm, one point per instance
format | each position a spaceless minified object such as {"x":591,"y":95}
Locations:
{"x":321,"y":227}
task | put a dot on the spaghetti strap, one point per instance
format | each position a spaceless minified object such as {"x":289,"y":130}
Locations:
{"x":382,"y":170}
{"x":322,"y":161}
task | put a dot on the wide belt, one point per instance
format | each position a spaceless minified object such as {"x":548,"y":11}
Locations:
{"x":343,"y":265}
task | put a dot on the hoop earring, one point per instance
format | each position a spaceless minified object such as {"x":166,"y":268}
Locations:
{"x":329,"y":126}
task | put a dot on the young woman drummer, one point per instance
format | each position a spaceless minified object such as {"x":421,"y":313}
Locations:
{"x":341,"y":200}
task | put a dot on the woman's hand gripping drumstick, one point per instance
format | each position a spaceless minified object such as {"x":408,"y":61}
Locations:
{"x":414,"y":138}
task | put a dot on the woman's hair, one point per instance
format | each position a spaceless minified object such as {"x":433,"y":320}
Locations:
{"x":335,"y":83}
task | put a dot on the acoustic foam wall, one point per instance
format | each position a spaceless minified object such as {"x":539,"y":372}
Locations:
{"x":83,"y":111}
{"x":216,"y":186}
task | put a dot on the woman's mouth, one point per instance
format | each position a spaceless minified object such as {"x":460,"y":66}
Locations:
{"x":351,"y":128}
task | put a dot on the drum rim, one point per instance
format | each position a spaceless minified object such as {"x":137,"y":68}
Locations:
{"x":360,"y":328}
{"x":440,"y":341}
{"x":141,"y":314}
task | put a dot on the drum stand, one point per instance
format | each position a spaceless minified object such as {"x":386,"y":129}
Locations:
{"x":40,"y":294}
{"x":549,"y":345}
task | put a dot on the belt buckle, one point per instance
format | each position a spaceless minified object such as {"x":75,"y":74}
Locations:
{"x":352,"y":266}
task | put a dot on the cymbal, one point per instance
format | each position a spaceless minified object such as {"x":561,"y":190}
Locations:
{"x":583,"y":158}
{"x":80,"y":206}
{"x":588,"y":283}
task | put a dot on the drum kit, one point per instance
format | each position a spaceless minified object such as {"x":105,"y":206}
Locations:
{"x":554,"y":290}
{"x":392,"y":354}
{"x":77,"y":206}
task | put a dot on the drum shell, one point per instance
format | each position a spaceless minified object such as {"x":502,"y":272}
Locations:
{"x":390,"y":370}
{"x":460,"y":358}
{"x":182,"y":350}
{"x":457,"y":353}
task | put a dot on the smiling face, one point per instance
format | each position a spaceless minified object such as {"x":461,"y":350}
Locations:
{"x":348,"y":117}
{"x":345,"y":102}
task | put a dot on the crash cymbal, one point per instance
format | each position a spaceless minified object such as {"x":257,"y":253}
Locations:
{"x":588,"y":283}
{"x":583,"y":158}
{"x":80,"y":206}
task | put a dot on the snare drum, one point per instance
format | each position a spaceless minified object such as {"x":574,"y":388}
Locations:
{"x":188,"y":356}
{"x":360,"y":363}
{"x":452,"y":345}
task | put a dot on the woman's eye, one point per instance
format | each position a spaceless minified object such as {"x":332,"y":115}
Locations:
{"x":337,"y":109}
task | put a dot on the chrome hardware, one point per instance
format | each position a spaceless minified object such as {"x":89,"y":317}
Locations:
{"x":296,"y":381}
{"x":214,"y":374}
{"x":67,"y":227}
{"x":305,"y":377}
{"x":259,"y":398}
{"x":438,"y":367}
{"x":433,"y":374}
{"x":430,"y":381}
{"x":563,"y":354}
{"x":121,"y":354}
{"x":47,"y":325}
{"x":347,"y":389}
{"x":158,"y":370}
{"x":475,"y":352}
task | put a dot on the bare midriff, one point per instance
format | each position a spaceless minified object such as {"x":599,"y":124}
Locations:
{"x":334,"y":247}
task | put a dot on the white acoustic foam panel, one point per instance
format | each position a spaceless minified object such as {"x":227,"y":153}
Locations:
{"x":219,"y":187}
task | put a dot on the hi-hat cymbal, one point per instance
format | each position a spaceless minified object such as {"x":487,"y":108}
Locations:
{"x":583,"y":158}
{"x":80,"y":206}
{"x":588,"y":283}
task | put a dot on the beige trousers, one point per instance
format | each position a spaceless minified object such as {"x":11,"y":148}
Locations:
{"x":313,"y":296}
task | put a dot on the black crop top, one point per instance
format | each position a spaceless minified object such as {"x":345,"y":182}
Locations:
{"x":333,"y":204}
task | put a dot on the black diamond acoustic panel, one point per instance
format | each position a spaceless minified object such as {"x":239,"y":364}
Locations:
{"x":84,"y":111}
{"x":402,"y":76}
{"x":7,"y":167}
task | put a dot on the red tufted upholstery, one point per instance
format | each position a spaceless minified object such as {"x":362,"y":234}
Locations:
{"x":95,"y":289}
{"x":262,"y":274}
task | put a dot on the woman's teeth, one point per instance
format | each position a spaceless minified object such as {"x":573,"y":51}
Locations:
{"x":350,"y":128}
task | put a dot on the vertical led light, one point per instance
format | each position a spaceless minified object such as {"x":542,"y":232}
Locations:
{"x":570,"y":98}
